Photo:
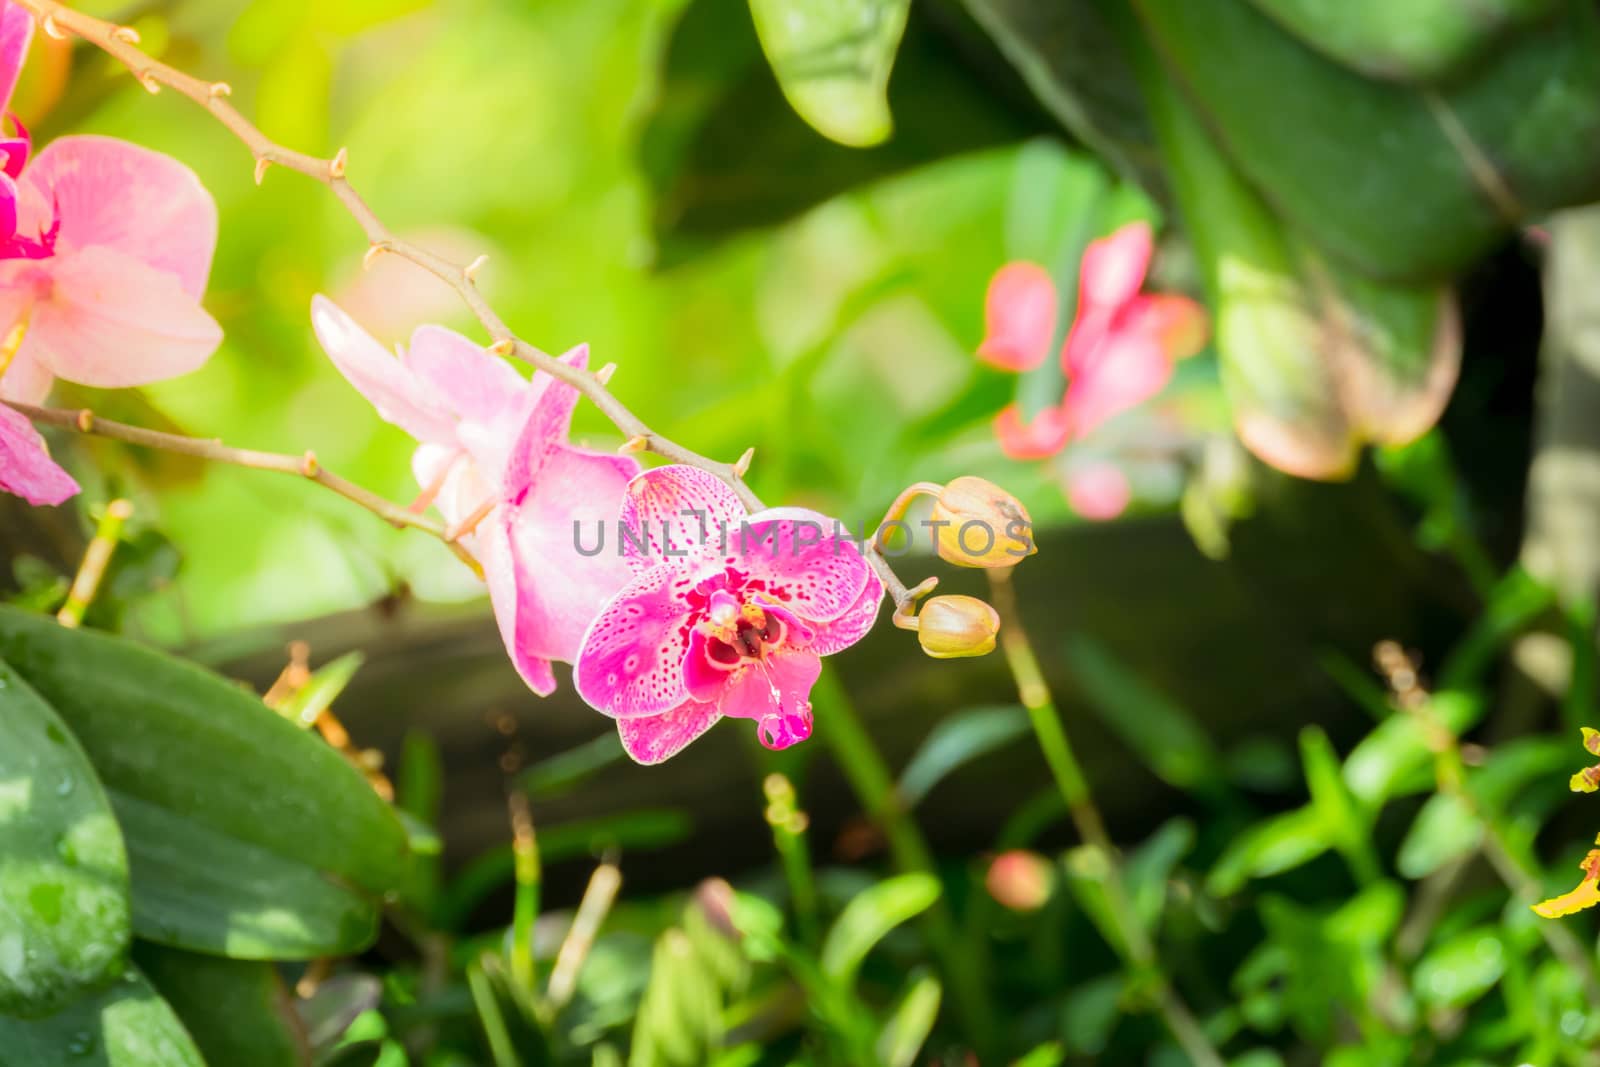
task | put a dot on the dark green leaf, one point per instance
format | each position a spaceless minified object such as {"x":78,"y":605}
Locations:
{"x":64,"y":916}
{"x":869,"y":916}
{"x":246,"y":836}
{"x":957,"y":740}
{"x":1406,"y":40}
{"x":126,"y":1024}
{"x":238,"y":1011}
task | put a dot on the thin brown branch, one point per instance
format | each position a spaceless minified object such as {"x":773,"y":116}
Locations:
{"x":121,"y":42}
{"x":305,"y":465}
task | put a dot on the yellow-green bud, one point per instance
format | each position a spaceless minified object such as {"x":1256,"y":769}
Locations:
{"x":978,"y":524}
{"x":949,"y":627}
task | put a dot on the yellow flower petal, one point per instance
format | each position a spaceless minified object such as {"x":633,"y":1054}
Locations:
{"x":1587,"y":895}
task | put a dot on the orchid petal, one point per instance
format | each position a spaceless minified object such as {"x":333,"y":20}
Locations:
{"x":1179,"y":325}
{"x":27,"y":380}
{"x":1019,"y":317}
{"x":776,"y":693}
{"x":1044,"y":436}
{"x":1113,"y":268}
{"x":560,"y":588}
{"x":499,"y":571}
{"x":684,"y":516}
{"x":110,"y":193}
{"x":16,"y":31}
{"x":630,"y":662}
{"x":802,"y":562}
{"x":400,"y":397}
{"x":1126,"y":371}
{"x":26,"y":468}
{"x":110,"y":320}
{"x":650,"y":739}
{"x":852,"y":624}
{"x":1098,"y":491}
{"x":476,"y":385}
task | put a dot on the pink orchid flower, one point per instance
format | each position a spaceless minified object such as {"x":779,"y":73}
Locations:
{"x":727,"y":614}
{"x":104,"y":252}
{"x":493,"y":455}
{"x":1098,"y":490}
{"x":1118,"y":353}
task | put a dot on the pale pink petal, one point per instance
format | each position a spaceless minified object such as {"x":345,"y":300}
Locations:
{"x":776,"y":693}
{"x":804,"y":562}
{"x":1127,"y":370}
{"x":400,"y":397}
{"x":631,"y":659}
{"x":26,"y":469}
{"x":1098,"y":491}
{"x":494,"y":552}
{"x":1113,"y":267}
{"x":556,"y":527}
{"x":1019,"y":317}
{"x":650,"y":739}
{"x":476,"y":385}
{"x":27,"y":380}
{"x":851,"y":626}
{"x":109,"y":193}
{"x":16,"y":30}
{"x":683,"y":516}
{"x":109,"y":320}
{"x":1046,"y":435}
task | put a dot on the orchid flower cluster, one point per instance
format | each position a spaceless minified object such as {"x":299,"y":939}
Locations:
{"x":705,"y":610}
{"x":1119,"y":351}
{"x":105,"y":248}
{"x":1587,"y":892}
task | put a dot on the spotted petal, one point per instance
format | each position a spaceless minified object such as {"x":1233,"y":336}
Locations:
{"x":631,"y":659}
{"x":650,"y":739}
{"x":26,"y":469}
{"x":804,"y":561}
{"x":682,"y":515}
{"x":853,"y":623}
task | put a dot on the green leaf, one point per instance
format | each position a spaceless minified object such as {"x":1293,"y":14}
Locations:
{"x":1441,"y":175}
{"x":832,"y":58}
{"x":1150,"y":866}
{"x":955,"y":741}
{"x":869,"y":916}
{"x":1314,"y":359}
{"x":1163,"y":734}
{"x":1345,"y":821}
{"x":64,"y":915}
{"x":238,"y":1011}
{"x":1090,"y":1014}
{"x":1403,"y":40}
{"x":126,"y":1024}
{"x":1462,"y":969}
{"x":679,"y":1019}
{"x":246,"y":836}
{"x":1394,"y":759}
{"x":909,"y":1024}
{"x":1445,"y":830}
{"x":1270,"y":847}
{"x":321,"y":689}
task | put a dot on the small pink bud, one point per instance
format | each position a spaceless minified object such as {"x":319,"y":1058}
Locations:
{"x":1021,"y":880}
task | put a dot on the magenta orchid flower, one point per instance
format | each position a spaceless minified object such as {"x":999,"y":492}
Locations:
{"x":104,"y":252}
{"x":1118,"y":353}
{"x":493,"y":455}
{"x":727,"y":614}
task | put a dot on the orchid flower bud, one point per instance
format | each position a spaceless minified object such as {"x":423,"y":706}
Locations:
{"x":1020,"y":880}
{"x":978,"y":524}
{"x":949,"y":627}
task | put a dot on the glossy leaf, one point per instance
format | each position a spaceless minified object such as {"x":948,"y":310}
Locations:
{"x":1440,"y":176}
{"x":869,"y":916}
{"x":1445,"y":830}
{"x":125,"y":1024}
{"x":910,"y":1022}
{"x":1270,"y":847}
{"x":1394,"y":759}
{"x":246,"y":836}
{"x":833,"y":58}
{"x":238,"y":1012}
{"x":1404,"y":40}
{"x":64,"y":915}
{"x":955,"y":741}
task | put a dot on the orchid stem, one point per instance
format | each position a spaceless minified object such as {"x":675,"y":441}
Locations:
{"x":873,"y":785}
{"x":305,"y":466}
{"x":525,"y":909}
{"x":96,"y":558}
{"x":1136,"y":945}
{"x":213,"y":97}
